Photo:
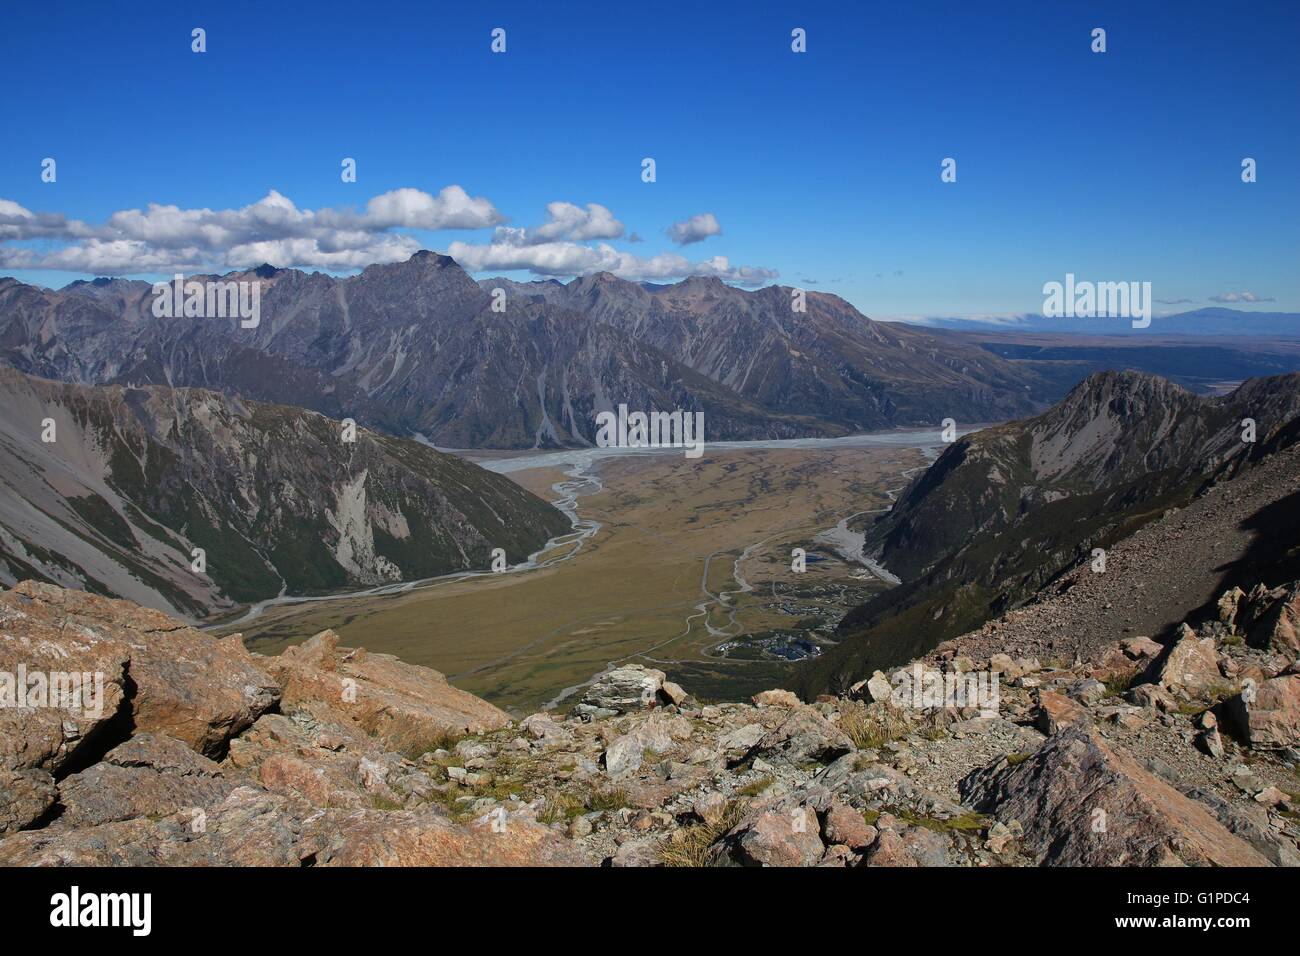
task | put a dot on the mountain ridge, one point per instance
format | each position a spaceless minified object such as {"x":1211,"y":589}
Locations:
{"x":135,"y":478}
{"x":417,"y":347}
{"x":1004,"y":510}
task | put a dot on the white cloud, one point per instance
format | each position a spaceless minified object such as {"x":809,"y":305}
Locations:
{"x":1240,"y":297}
{"x":104,"y":257}
{"x":165,"y":238}
{"x":273,"y":229}
{"x":565,"y":259}
{"x":19,"y":223}
{"x":695,"y":229}
{"x":564,"y":220}
{"x":453,"y":208}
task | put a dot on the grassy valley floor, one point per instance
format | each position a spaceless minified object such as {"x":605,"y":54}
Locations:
{"x":689,"y":572}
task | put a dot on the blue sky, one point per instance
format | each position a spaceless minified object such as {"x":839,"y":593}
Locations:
{"x":821,"y":167}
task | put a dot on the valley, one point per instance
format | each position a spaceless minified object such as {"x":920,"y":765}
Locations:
{"x":687,"y":569}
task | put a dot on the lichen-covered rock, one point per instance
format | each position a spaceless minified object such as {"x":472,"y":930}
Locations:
{"x":1192,"y":664}
{"x":404,"y":706}
{"x":149,"y":775}
{"x":25,"y":797}
{"x":1277,"y":627}
{"x":804,"y":736}
{"x":628,"y":688}
{"x":1268,"y":713}
{"x":183,"y":683}
{"x":776,"y":836}
{"x":1083,"y":804}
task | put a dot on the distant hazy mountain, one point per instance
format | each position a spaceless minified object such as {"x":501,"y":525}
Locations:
{"x":417,"y":347}
{"x":137,"y":477}
{"x":1209,"y":321}
{"x":1005,"y":509}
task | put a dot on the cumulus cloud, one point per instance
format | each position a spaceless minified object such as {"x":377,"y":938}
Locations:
{"x":1228,"y":297}
{"x":19,"y":223}
{"x":564,"y":220}
{"x":572,"y":241}
{"x":695,"y":229}
{"x":273,"y":229}
{"x":566,"y":259}
{"x":452,"y":208}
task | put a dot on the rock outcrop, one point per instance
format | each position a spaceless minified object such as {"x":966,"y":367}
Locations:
{"x":1080,"y":803}
{"x":330,"y":756}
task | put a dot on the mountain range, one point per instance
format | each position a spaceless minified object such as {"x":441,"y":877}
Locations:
{"x":417,"y":347}
{"x":1005,"y":510}
{"x":1214,"y":321}
{"x":134,"y":478}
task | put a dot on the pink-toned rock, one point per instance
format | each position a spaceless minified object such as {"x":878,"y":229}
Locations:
{"x":185,"y":684}
{"x":776,"y":698}
{"x":423,"y":838}
{"x":1055,"y":712}
{"x":674,"y":693}
{"x":1139,"y":648}
{"x":1082,"y":803}
{"x":147,"y":776}
{"x":40,"y":643}
{"x":314,"y":782}
{"x":890,"y":850}
{"x":406,"y":707}
{"x":1228,"y":604}
{"x":1278,"y":626}
{"x":847,"y":826}
{"x":1267,"y":713}
{"x":248,"y":828}
{"x":775,"y":836}
{"x":1005,"y":666}
{"x":1192,"y":664}
{"x":25,"y":797}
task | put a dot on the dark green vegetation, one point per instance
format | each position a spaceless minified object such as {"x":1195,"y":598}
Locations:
{"x":138,"y":477}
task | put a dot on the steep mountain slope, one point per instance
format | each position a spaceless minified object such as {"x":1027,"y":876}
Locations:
{"x":417,"y":347}
{"x":1004,"y":510}
{"x":135,"y":478}
{"x":1239,"y":534}
{"x":829,"y":361}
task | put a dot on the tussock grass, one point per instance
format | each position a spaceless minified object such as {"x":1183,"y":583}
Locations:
{"x":871,"y":726}
{"x":692,"y":847}
{"x":561,"y":808}
{"x":613,"y":799}
{"x":755,"y":787}
{"x":1120,"y":683}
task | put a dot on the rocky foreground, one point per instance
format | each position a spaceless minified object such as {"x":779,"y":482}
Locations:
{"x":205,"y":754}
